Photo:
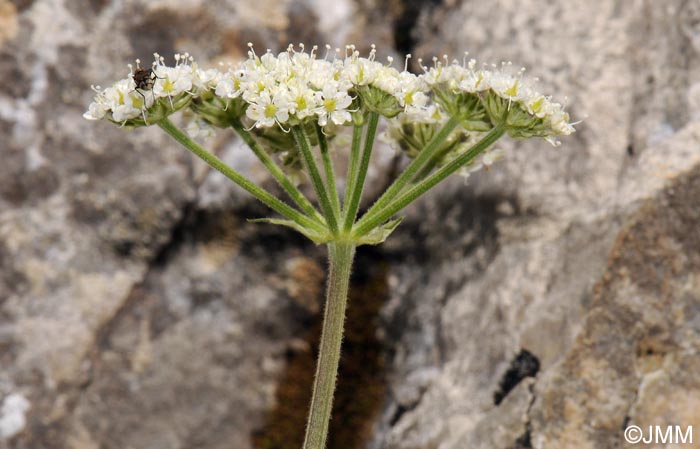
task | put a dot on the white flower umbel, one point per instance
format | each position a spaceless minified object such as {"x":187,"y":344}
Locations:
{"x":305,"y":100}
{"x":269,"y":107}
{"x":119,"y":102}
{"x":505,"y":97}
{"x":206,"y":79}
{"x":172,"y":82}
{"x":288,"y":106}
{"x":334,"y":103}
{"x":164,"y":91}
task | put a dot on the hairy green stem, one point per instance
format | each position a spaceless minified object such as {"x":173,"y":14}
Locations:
{"x":432,"y":163}
{"x":353,"y":165}
{"x":356,"y":195}
{"x":340,"y":256}
{"x":423,"y":156}
{"x":379,"y":216}
{"x":329,"y":171}
{"x":258,"y":192}
{"x":315,"y":175}
{"x":277,"y":173}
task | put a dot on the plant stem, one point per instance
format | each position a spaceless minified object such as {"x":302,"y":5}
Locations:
{"x":353,"y":165}
{"x":431,"y":164}
{"x":277,"y":173}
{"x":258,"y":192}
{"x":359,"y":183}
{"x":340,"y":256}
{"x":329,"y":171}
{"x":315,"y":175}
{"x":379,"y":216}
{"x":423,"y":156}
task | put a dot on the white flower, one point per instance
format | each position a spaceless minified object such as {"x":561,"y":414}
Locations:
{"x":126,"y":101}
{"x":507,"y":86}
{"x":410,"y":91}
{"x":464,"y":78}
{"x":122,"y":100}
{"x":230,"y":85}
{"x":97,"y":110}
{"x":296,"y":83}
{"x":256,"y":83}
{"x":334,"y":104}
{"x":305,"y":101}
{"x":173,"y":81}
{"x":269,"y":109}
{"x":199,"y":129}
{"x":388,"y":79}
{"x":429,"y":113}
{"x":361,"y":71}
{"x":207,"y":79}
{"x":318,"y":73}
{"x":474,"y":81}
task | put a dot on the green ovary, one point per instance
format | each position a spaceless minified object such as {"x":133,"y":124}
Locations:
{"x":513,"y":90}
{"x":329,"y":105}
{"x":168,"y":86}
{"x":270,"y":110}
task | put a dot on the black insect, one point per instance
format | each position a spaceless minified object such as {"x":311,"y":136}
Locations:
{"x":144,"y":78}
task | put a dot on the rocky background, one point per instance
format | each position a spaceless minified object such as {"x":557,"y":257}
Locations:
{"x":549,"y":303}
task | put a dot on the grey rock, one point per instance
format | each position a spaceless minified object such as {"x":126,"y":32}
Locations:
{"x":137,"y":307}
{"x":592,"y":264}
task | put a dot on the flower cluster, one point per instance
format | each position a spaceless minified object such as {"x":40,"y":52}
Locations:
{"x":271,"y":93}
{"x":281,"y":90}
{"x":497,"y":96}
{"x":295,"y":85}
{"x":161,"y":91}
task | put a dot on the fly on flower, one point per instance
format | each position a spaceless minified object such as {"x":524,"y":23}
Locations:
{"x":124,"y":102}
{"x":144,"y":78}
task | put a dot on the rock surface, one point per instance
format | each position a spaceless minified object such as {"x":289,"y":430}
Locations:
{"x":586,"y":255}
{"x":139,"y":310}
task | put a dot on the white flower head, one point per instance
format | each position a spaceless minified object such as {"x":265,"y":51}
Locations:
{"x":270,"y":108}
{"x":173,"y":81}
{"x":304,"y":99}
{"x":361,"y":71}
{"x":199,"y":129}
{"x":206,"y":79}
{"x":231,"y":84}
{"x":295,"y":85}
{"x":388,"y":79}
{"x":123,"y":101}
{"x":334,"y":102}
{"x":120,"y":102}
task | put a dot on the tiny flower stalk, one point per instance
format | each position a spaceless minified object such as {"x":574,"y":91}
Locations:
{"x":289,"y":108}
{"x":277,"y":173}
{"x":353,"y":204}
